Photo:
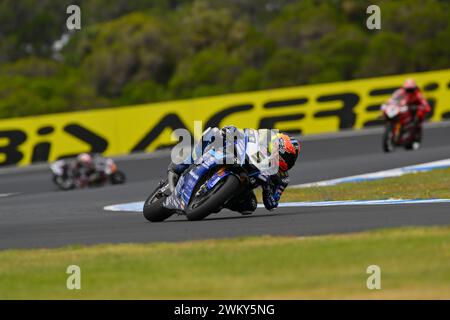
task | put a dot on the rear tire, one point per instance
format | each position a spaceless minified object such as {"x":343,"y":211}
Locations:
{"x":117,"y":177}
{"x":415,"y":145}
{"x":221,"y":193}
{"x":417,"y":142}
{"x":155,"y":211}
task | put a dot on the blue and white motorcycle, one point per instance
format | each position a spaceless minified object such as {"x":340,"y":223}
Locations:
{"x":214,"y":179}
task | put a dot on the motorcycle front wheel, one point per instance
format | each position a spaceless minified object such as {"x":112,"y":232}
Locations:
{"x":202,"y":206}
{"x":153,"y":209}
{"x":388,"y":139}
{"x":64,"y":184}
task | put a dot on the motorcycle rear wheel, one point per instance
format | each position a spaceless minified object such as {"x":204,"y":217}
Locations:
{"x":200,"y":208}
{"x":415,"y":145}
{"x":117,"y":177}
{"x":417,"y":141}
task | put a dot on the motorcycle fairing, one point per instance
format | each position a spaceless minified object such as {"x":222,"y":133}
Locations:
{"x":181,"y":196}
{"x":57,"y":167}
{"x":219,"y":175}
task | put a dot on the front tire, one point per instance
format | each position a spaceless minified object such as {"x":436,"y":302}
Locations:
{"x":388,"y":140}
{"x":154,"y":211}
{"x":64,"y":184}
{"x":199,"y":209}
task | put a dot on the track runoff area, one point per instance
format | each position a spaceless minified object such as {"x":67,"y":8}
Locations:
{"x":34,"y":214}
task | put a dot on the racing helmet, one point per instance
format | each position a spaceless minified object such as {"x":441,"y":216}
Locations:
{"x":288,"y":149}
{"x":410,"y":86}
{"x":85,"y":158}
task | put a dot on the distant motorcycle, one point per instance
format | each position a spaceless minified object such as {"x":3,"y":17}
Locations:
{"x":67,"y":176}
{"x":401,"y":129}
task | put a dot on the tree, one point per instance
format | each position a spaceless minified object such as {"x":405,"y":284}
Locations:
{"x":302,"y":23}
{"x":387,"y":54}
{"x":211,"y":71}
{"x":135,"y":47}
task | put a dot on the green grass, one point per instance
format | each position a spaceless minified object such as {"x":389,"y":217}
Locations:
{"x":432,"y":184}
{"x":415,"y":263}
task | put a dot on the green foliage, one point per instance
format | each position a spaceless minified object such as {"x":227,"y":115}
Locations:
{"x":286,"y":67}
{"x":140,"y":92}
{"x":39,"y":86}
{"x":337,"y":59}
{"x":302,"y":23}
{"x":140,"y":51}
{"x":29,"y":28}
{"x":387,"y":54}
{"x":210,"y":70}
{"x":202,"y":26}
{"x":132,"y":48}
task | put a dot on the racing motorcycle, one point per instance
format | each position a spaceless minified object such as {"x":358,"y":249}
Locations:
{"x":66,"y":176}
{"x":207,"y":186}
{"x":401,"y":130}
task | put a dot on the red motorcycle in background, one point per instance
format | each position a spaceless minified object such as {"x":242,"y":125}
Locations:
{"x":401,"y":128}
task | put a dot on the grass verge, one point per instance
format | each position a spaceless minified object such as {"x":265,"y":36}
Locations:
{"x":415,"y":263}
{"x":432,"y":184}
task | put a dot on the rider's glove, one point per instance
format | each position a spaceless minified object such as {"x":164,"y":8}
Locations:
{"x":270,"y":200}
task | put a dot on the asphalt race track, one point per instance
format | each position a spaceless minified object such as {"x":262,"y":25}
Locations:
{"x":41,"y":216}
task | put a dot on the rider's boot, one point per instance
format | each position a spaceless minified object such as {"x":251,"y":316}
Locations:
{"x":245,"y":204}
